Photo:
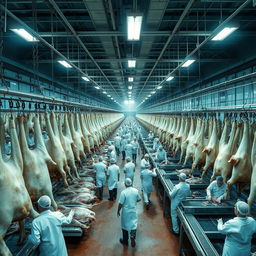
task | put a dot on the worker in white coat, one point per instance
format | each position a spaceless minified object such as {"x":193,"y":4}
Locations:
{"x":127,"y":203}
{"x":113,"y":174}
{"x":178,"y":194}
{"x":156,"y":144}
{"x":46,"y":229}
{"x":144,"y":161}
{"x":238,"y":231}
{"x":122,"y":148}
{"x":117,"y":141}
{"x":128,"y":149}
{"x":151,"y":135}
{"x":147,"y":184}
{"x":112,"y":154}
{"x":129,"y":169}
{"x":216,"y":190}
{"x":161,"y":155}
{"x":101,"y":170}
{"x":135,"y":149}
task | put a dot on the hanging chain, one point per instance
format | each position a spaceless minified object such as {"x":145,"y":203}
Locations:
{"x":2,"y":29}
{"x":35,"y":49}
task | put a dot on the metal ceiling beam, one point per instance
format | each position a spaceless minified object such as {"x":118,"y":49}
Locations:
{"x":57,"y":9}
{"x":137,"y":59}
{"x":30,"y":30}
{"x":226,"y":21}
{"x":119,"y":33}
{"x":177,"y":26}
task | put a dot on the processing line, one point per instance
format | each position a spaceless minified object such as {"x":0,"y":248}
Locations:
{"x":197,"y":216}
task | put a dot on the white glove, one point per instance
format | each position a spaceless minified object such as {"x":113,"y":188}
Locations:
{"x":220,"y":221}
{"x":71,"y":214}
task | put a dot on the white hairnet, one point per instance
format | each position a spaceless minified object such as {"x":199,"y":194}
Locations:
{"x":44,"y":202}
{"x":242,"y":208}
{"x":128,"y":159}
{"x":112,"y":161}
{"x":182,"y":176}
{"x":128,"y":182}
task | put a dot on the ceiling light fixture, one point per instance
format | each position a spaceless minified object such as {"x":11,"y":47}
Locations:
{"x":25,"y":35}
{"x":134,"y":22}
{"x":169,"y":78}
{"x":131,"y":63}
{"x":130,"y":87}
{"x":225,"y":32}
{"x":64,"y":63}
{"x":130,"y":79}
{"x":97,"y":87}
{"x":187,"y":63}
{"x":159,"y":87}
{"x":104,"y":92}
{"x":108,"y":95}
{"x":85,"y":78}
{"x":153,"y":92}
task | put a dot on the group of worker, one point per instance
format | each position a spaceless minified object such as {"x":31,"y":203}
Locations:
{"x":46,"y":229}
{"x":238,"y":231}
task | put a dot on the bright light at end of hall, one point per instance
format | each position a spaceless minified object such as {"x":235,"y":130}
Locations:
{"x":85,"y":78}
{"x":187,"y":63}
{"x":169,"y":78}
{"x":129,"y":102}
{"x":225,"y":32}
{"x":25,"y":35}
{"x":64,"y":63}
{"x":130,"y":79}
{"x":134,"y":27}
{"x":131,"y":63}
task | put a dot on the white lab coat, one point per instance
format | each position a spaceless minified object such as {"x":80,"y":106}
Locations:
{"x":46,"y":232}
{"x":123,"y":144}
{"x":156,"y":145}
{"x":214,"y":190}
{"x":129,"y":170}
{"x":128,"y":150}
{"x":112,"y":155}
{"x":101,"y":170}
{"x":239,"y":232}
{"x":135,"y":147}
{"x":143,"y":164}
{"x":146,"y":179}
{"x":117,"y":141}
{"x":161,"y":155}
{"x":129,"y":198}
{"x":178,"y":194}
{"x":113,"y":172}
{"x":151,"y":135}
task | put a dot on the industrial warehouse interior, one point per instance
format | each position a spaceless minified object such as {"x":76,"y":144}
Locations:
{"x":128,"y":127}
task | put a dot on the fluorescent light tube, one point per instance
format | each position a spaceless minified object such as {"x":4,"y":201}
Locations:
{"x":25,"y":35}
{"x":64,"y":63}
{"x":85,"y":78}
{"x":130,"y":87}
{"x":104,"y":92}
{"x":225,"y":32}
{"x":187,"y":63}
{"x":97,"y":87}
{"x":159,"y":87}
{"x":108,"y":95}
{"x":130,"y":79}
{"x":134,"y":27}
{"x":169,"y":78}
{"x":131,"y":63}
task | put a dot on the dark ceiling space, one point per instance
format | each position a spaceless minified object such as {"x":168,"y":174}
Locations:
{"x":92,"y":34}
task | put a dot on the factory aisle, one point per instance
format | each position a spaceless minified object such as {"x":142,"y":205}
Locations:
{"x":153,"y":236}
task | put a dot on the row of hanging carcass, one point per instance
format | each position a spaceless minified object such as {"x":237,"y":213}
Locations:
{"x":62,"y":142}
{"x":227,"y":147}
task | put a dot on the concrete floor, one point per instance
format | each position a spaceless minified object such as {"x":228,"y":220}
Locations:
{"x":153,"y":236}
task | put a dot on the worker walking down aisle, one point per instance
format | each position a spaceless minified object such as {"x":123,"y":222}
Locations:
{"x":152,"y":235}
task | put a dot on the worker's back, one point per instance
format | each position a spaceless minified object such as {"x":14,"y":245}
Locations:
{"x":129,"y":197}
{"x":239,"y":233}
{"x":48,"y":229}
